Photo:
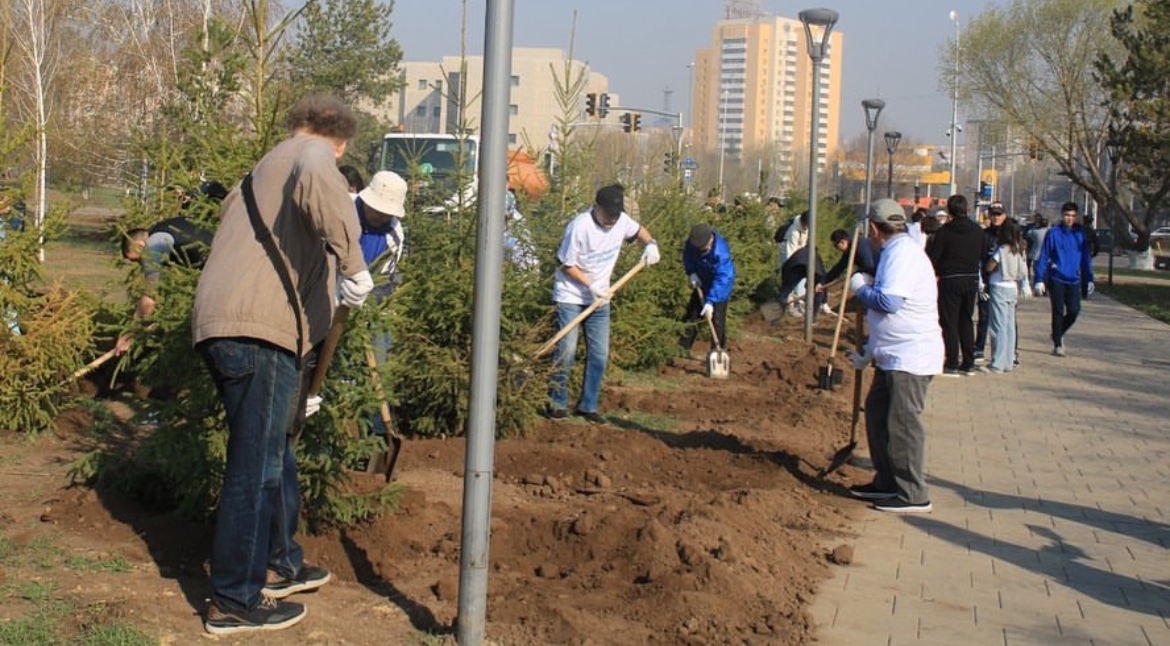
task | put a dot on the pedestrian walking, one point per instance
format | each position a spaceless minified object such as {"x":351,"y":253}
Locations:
{"x":954,"y":252}
{"x":1064,"y":264}
{"x":1007,"y":271}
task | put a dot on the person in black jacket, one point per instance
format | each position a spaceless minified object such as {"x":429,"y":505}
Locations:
{"x":955,"y":252}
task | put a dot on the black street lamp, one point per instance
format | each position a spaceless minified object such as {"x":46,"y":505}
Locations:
{"x":824,"y":19}
{"x":1113,"y":149}
{"x":892,"y":139}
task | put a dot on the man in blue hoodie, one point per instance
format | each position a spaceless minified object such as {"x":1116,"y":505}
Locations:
{"x":707,"y":262}
{"x":1064,"y":263}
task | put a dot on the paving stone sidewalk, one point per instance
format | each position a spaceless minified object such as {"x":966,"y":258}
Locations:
{"x":1051,"y":517}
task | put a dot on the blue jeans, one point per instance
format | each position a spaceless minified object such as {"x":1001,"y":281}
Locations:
{"x":596,"y":327}
{"x":1002,"y":327}
{"x":1066,"y":305}
{"x":260,"y":503}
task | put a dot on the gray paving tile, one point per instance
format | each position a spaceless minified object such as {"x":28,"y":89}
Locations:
{"x":1049,"y":525}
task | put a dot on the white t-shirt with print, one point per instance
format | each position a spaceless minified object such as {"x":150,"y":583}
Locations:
{"x":592,"y":249}
{"x":909,"y":340}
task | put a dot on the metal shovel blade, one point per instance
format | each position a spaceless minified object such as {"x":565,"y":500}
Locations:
{"x":718,"y":364}
{"x":829,"y":379}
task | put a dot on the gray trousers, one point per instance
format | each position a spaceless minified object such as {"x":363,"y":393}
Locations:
{"x":897,"y":439}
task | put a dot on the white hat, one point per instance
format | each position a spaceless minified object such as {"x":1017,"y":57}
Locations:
{"x":386,"y":192}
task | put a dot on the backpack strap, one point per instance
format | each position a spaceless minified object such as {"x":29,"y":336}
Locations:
{"x":264,"y":237}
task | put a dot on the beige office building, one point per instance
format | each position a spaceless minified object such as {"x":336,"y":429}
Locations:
{"x":753,"y":91}
{"x":430,"y":98}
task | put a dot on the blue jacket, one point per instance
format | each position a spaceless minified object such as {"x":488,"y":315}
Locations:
{"x":1064,"y":257}
{"x":715,"y":269}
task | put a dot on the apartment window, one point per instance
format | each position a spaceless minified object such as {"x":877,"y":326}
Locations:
{"x":436,"y":112}
{"x":420,"y":111}
{"x":422,"y":84}
{"x":515,"y":81}
{"x":513,"y":109}
{"x":511,"y":139}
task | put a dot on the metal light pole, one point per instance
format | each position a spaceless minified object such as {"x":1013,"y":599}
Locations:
{"x":892,"y":139}
{"x":1113,"y":149}
{"x":825,"y":19}
{"x":873,"y":109}
{"x":955,"y":103}
{"x":722,"y":136}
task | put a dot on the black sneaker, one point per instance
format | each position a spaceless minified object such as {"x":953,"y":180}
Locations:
{"x":952,"y":372}
{"x":555,"y":413}
{"x":309,"y":578}
{"x":899,"y":506}
{"x":871,"y":492}
{"x":967,"y":371}
{"x":270,"y":614}
{"x":591,"y":417}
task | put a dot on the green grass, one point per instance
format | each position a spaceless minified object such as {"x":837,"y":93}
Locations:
{"x":107,"y":563}
{"x":1152,"y":299}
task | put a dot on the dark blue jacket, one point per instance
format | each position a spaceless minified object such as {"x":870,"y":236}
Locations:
{"x":864,"y":261}
{"x":1065,"y":256}
{"x":715,"y":269}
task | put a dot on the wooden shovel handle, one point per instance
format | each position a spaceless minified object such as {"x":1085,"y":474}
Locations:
{"x":844,"y":294}
{"x":328,"y":348}
{"x":92,"y":365}
{"x":551,"y":343}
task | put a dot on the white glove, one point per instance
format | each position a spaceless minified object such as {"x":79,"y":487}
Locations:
{"x":984,"y":295}
{"x":600,"y":291}
{"x":1025,"y":292}
{"x":354,"y":289}
{"x":1090,"y":288}
{"x":860,"y":361}
{"x":1039,"y":287}
{"x":859,"y":280}
{"x":312,"y":405}
{"x":650,"y":255}
{"x":694,"y":280}
{"x":708,"y":310}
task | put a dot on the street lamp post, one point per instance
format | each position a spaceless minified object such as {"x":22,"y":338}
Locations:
{"x":892,"y":139}
{"x":1113,"y":149}
{"x":954,"y":101}
{"x":825,"y":19}
{"x":873,"y":109}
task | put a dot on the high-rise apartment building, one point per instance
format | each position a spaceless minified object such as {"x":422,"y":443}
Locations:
{"x":429,"y":101}
{"x":753,"y":95}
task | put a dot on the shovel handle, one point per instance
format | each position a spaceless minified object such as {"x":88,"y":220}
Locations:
{"x":328,"y":348}
{"x":91,"y":366}
{"x":844,"y":294}
{"x":711,"y":323}
{"x":551,"y":343}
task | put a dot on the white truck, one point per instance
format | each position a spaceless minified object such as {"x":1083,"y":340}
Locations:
{"x":434,"y":164}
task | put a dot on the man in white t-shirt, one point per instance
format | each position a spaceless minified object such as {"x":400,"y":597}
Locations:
{"x":906,"y":348}
{"x":588,"y":252}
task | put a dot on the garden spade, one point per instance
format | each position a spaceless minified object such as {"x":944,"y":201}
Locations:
{"x":827,"y":377}
{"x":718,"y":359}
{"x":844,"y":453}
{"x":552,"y":343}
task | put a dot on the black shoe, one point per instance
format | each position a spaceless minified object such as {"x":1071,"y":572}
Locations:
{"x":967,"y":371}
{"x":952,"y":372}
{"x":270,"y":614}
{"x":591,"y":417}
{"x":871,"y":492}
{"x":899,"y":506}
{"x":555,"y":413}
{"x":309,"y":578}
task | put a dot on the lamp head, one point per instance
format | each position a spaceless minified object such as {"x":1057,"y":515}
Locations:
{"x":892,"y":139}
{"x":873,"y":108}
{"x":823,"y":18}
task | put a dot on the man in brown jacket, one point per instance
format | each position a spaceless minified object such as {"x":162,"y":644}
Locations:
{"x":264,"y":302}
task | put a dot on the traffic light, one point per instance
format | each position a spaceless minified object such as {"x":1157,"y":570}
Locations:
{"x":668,"y":162}
{"x":591,"y":103}
{"x":603,"y":105}
{"x":627,"y":122}
{"x":636,"y":122}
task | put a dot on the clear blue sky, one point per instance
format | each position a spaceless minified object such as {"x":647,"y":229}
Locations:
{"x":644,"y":46}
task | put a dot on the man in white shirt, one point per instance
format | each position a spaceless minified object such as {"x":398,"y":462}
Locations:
{"x":906,"y":348}
{"x":588,"y":253}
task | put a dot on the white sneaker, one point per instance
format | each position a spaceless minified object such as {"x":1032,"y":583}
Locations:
{"x":825,"y":309}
